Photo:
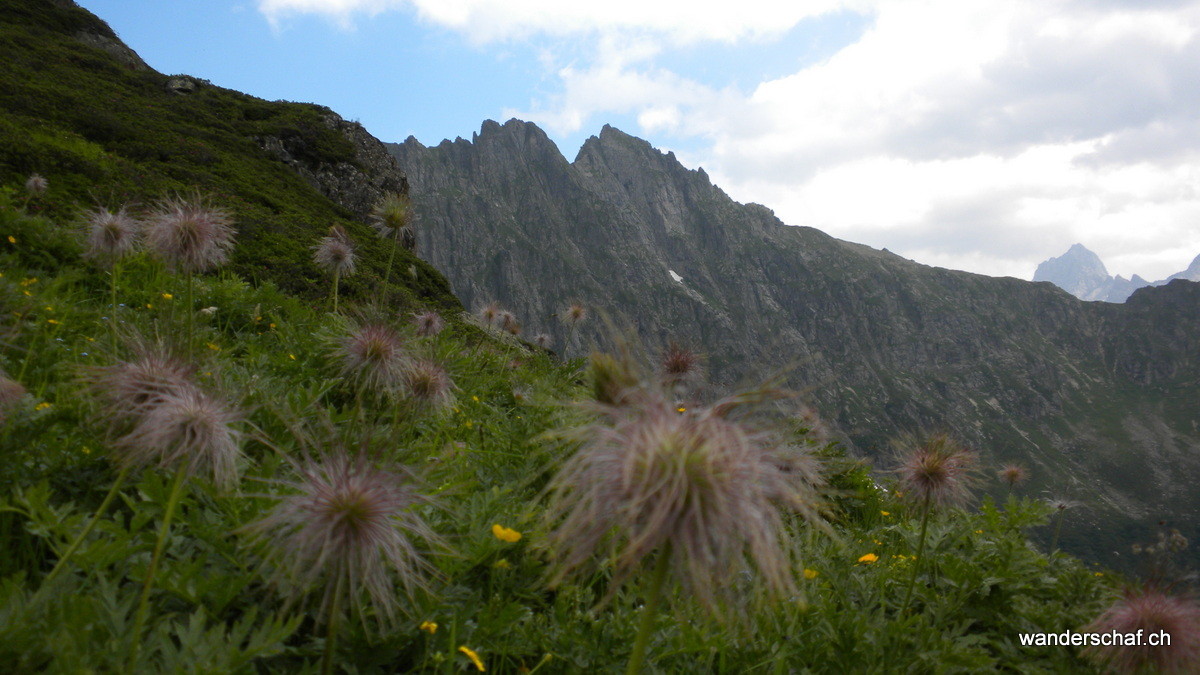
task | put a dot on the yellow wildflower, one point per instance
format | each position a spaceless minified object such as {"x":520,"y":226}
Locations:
{"x":978,"y":531}
{"x":272,"y":326}
{"x":473,"y":656}
{"x":53,"y":321}
{"x":42,"y":406}
{"x":505,"y":534}
{"x":292,"y":357}
{"x":86,"y":450}
{"x":429,"y":627}
{"x":149,"y":306}
{"x":1099,"y":574}
{"x":681,"y":409}
{"x":810,"y":573}
{"x":502,"y":564}
{"x":213,"y":347}
{"x":29,"y":282}
{"x":12,"y":239}
{"x":877,"y":542}
{"x":885,"y":513}
{"x":868,"y":558}
{"x":167,"y":296}
{"x":468,"y":424}
{"x":475,"y":398}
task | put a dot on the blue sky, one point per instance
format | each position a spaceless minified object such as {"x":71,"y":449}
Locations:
{"x":984,"y":136}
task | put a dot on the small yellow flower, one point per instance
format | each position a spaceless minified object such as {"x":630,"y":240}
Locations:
{"x":475,"y":398}
{"x":213,"y":347}
{"x":49,"y":308}
{"x":885,"y":513}
{"x":42,"y":406}
{"x":877,"y":542}
{"x":149,"y":306}
{"x":810,"y":573}
{"x":12,"y":239}
{"x":468,"y":424}
{"x":53,"y":321}
{"x":473,"y":656}
{"x":978,"y":531}
{"x":681,"y":409}
{"x":505,"y":534}
{"x":429,"y":627}
{"x":292,"y":357}
{"x":272,"y":326}
{"x":29,"y":282}
{"x":167,"y":296}
{"x":868,"y":558}
{"x":502,"y":564}
{"x":1099,"y":574}
{"x":86,"y":450}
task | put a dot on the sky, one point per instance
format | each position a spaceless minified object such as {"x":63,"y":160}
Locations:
{"x":984,"y":136}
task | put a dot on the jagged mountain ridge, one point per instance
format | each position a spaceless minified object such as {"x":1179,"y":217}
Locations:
{"x":1084,"y":393}
{"x":1081,"y":273}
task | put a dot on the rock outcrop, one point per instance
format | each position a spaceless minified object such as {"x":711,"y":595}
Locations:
{"x":1081,"y":273}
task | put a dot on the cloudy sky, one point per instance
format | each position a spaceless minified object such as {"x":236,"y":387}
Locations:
{"x":985,"y":135}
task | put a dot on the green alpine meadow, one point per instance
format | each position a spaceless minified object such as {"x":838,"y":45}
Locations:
{"x":248,"y":426}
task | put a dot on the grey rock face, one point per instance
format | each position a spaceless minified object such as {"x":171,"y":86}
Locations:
{"x":880,"y":344}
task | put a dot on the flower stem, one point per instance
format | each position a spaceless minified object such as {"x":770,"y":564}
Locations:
{"x":62,"y":562}
{"x":159,"y":545}
{"x":388,"y":276}
{"x":920,"y":557}
{"x":336,"y":278}
{"x":1057,"y":530}
{"x":112,"y":315}
{"x":649,"y":612}
{"x":191,"y":315}
{"x":331,"y":629}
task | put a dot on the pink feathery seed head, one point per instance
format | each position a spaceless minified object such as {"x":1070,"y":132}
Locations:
{"x":542,"y":340}
{"x":373,"y":357}
{"x":1013,"y":474}
{"x":110,"y":236}
{"x":131,"y":389}
{"x":507,"y":322}
{"x":574,"y":314}
{"x":189,"y":235}
{"x":646,"y":476}
{"x":428,"y":384}
{"x":936,"y":470}
{"x":679,"y":365}
{"x":488,"y":314}
{"x":429,"y":323}
{"x":351,"y":524}
{"x":334,"y":254}
{"x":11,"y":392}
{"x":1150,"y":611}
{"x":36,"y":185}
{"x":187,"y":428}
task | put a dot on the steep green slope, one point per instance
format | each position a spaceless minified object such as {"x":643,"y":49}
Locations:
{"x":1097,"y":399}
{"x":81,"y":109}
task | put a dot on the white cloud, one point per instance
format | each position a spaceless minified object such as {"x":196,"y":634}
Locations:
{"x":985,"y":135}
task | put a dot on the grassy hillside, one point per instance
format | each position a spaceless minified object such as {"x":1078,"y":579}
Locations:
{"x":222,"y":599}
{"x":107,"y":133}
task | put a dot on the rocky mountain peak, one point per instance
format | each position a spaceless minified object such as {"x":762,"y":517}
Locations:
{"x":1081,"y":273}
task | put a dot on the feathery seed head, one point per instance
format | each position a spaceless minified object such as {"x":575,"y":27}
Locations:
{"x":1150,"y":610}
{"x":429,"y":323}
{"x":36,"y":185}
{"x":186,"y":428}
{"x":372,"y":356}
{"x":574,"y":314}
{"x":11,"y":392}
{"x":428,"y":384}
{"x":678,"y":365}
{"x":488,"y":313}
{"x":1059,"y":505}
{"x":189,"y":235}
{"x":392,"y":218}
{"x":937,"y":471}
{"x":349,"y":524}
{"x":715,"y":490}
{"x":110,"y":236}
{"x":1013,"y":474}
{"x":507,"y":322}
{"x":334,"y":254}
{"x":132,"y":389}
{"x":542,"y":340}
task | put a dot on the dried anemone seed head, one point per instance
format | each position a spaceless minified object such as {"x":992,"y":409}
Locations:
{"x":36,"y":185}
{"x":488,"y":313}
{"x":937,"y":471}
{"x":110,"y":236}
{"x":353,"y":526}
{"x":372,"y":356}
{"x":1013,"y":474}
{"x":1150,"y":610}
{"x":507,"y":322}
{"x":679,"y":365}
{"x":428,"y":384}
{"x":334,"y":254}
{"x":132,"y":389}
{"x":11,"y":392}
{"x":189,"y":235}
{"x":429,"y":323}
{"x":187,"y":428}
{"x":574,"y":314}
{"x":392,"y":218}
{"x":542,"y":340}
{"x":708,"y":489}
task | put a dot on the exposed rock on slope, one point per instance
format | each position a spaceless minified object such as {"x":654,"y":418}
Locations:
{"x":1095,"y":397}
